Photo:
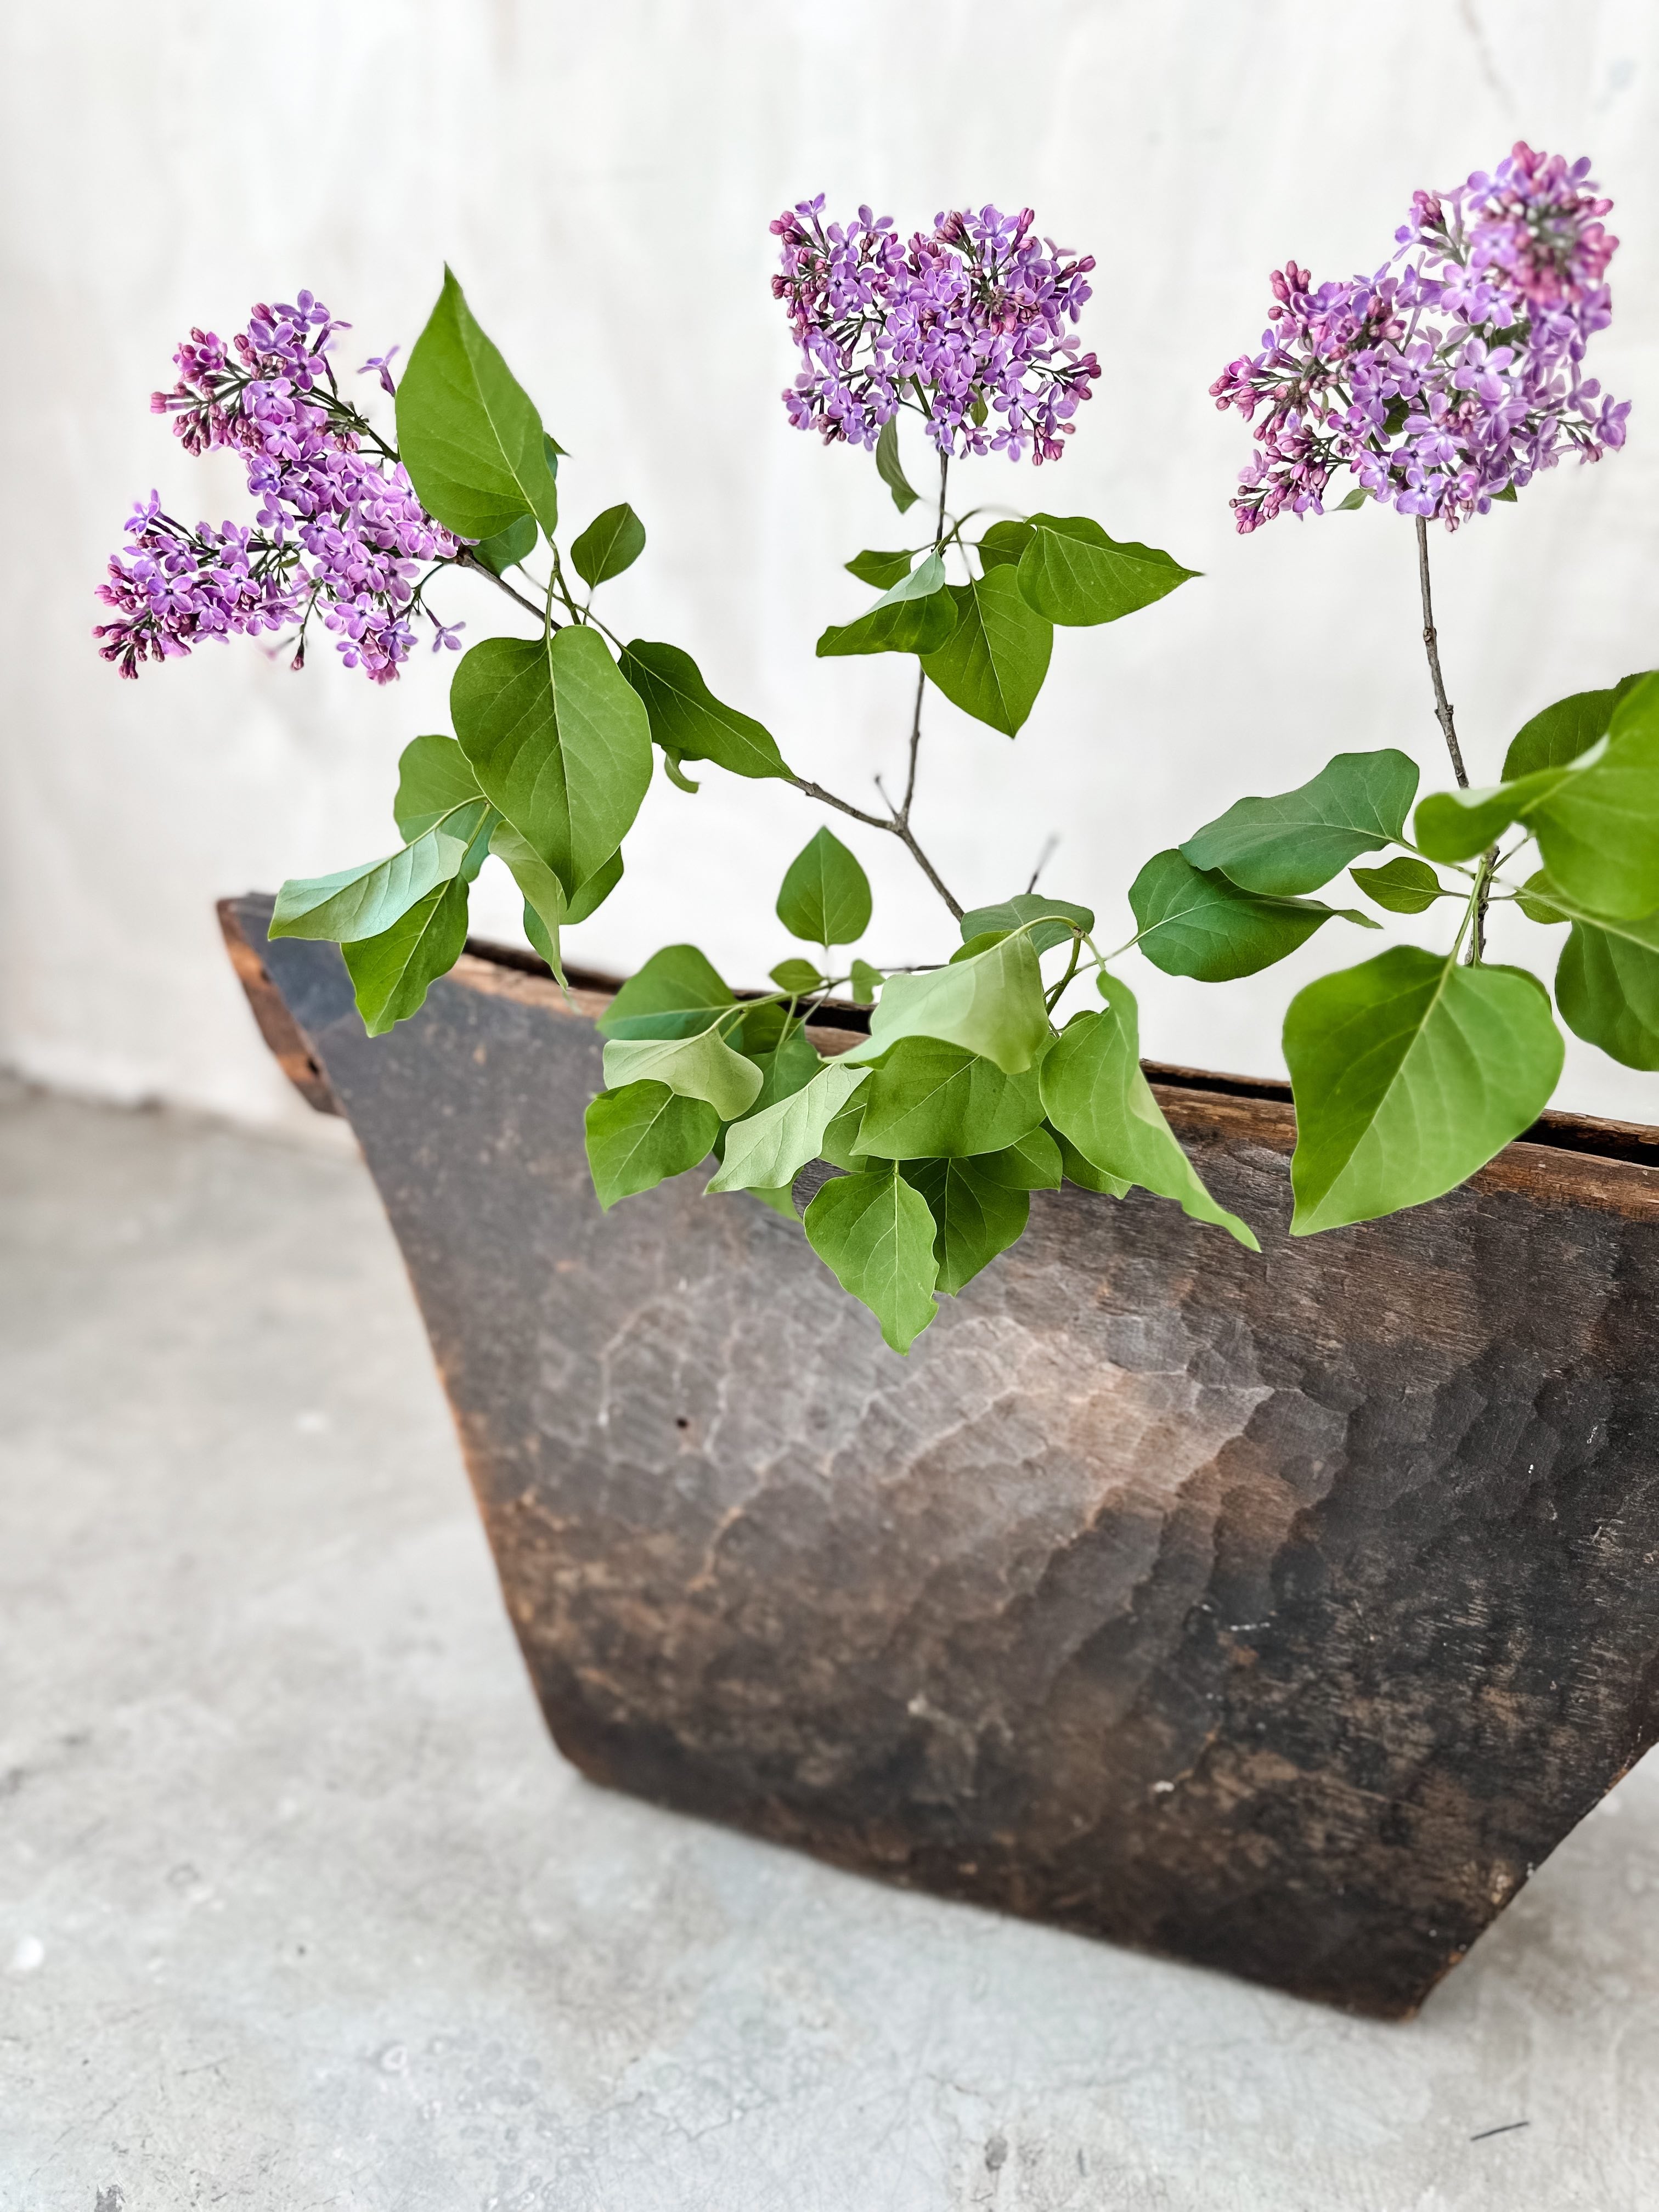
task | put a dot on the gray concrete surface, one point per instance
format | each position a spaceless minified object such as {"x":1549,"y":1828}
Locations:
{"x":299,"y":1908}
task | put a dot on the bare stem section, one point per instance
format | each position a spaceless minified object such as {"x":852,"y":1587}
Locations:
{"x":1443,"y":711}
{"x":1443,"y":708}
{"x":897,"y":820}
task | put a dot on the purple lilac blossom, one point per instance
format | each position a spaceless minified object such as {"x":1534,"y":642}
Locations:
{"x":970,"y":324}
{"x":338,"y":529}
{"x":1448,"y":382}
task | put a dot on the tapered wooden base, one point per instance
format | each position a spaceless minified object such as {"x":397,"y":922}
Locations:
{"x":1276,"y":1612}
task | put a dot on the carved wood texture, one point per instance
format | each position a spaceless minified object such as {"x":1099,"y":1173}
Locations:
{"x":1278,"y":1613}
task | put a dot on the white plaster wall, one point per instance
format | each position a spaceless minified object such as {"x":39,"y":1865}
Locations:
{"x":602,"y":177}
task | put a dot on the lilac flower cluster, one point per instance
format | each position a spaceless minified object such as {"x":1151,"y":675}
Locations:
{"x":1450,"y":381}
{"x":338,"y":529}
{"x":968,"y":324}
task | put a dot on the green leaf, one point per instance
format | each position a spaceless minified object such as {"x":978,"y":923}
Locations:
{"x":1355,"y":499}
{"x":1055,"y":919}
{"x":671,"y":996}
{"x":1196,"y":922}
{"x":1097,"y":1098}
{"x":1564,"y":731}
{"x":876,"y":1236}
{"x":975,"y":1217}
{"x":700,"y":1067}
{"x":1607,"y":988}
{"x":768,"y":1149}
{"x":825,"y":897}
{"x":1298,"y":840}
{"x":1597,"y":818}
{"x":1074,"y":574}
{"x":613,"y":541}
{"x":839,"y":1144}
{"x":688,"y":722}
{"x":1455,"y":825}
{"x":991,"y":1004}
{"x":867,"y":982}
{"x":542,"y":892}
{"x":1086,"y":1176}
{"x":559,"y":742}
{"x":1598,"y":828}
{"x":787,"y":1067}
{"x":435,"y":777}
{"x":508,"y":546}
{"x":1607,"y":984}
{"x":1404,"y":886}
{"x":389,"y":973}
{"x":888,"y":468}
{"x":1004,"y":544}
{"x":799,"y":976}
{"x":593,"y":891}
{"x":932,"y":1101}
{"x":1409,"y":1072}
{"x":916,"y":615}
{"x":641,"y":1134}
{"x":879,"y":570}
{"x":467,"y":433}
{"x":993,"y":664}
{"x":357,"y":903}
{"x":1031,"y":1162}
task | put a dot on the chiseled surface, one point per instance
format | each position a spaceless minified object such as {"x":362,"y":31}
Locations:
{"x":299,"y":1909}
{"x":1277,"y":1613}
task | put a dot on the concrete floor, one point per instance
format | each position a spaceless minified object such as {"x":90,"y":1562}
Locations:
{"x":299,"y":1908}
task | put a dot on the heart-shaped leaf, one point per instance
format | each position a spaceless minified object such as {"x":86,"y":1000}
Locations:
{"x":559,"y":742}
{"x":642,"y":1134}
{"x":825,"y":897}
{"x":992,"y":664}
{"x":1409,"y":1072}
{"x":976,"y":1217}
{"x":876,"y":1236}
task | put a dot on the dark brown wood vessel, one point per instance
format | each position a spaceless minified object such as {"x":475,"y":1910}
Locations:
{"x":1280,"y":1614}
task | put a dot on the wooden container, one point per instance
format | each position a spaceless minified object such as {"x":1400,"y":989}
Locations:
{"x":1280,"y":1614}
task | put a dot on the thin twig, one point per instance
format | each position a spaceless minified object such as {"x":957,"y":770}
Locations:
{"x":1050,"y":846}
{"x":902,"y":831}
{"x":894,"y":824}
{"x":1443,"y":711}
{"x":842,"y":805}
{"x":915,"y":744}
{"x":467,"y":559}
